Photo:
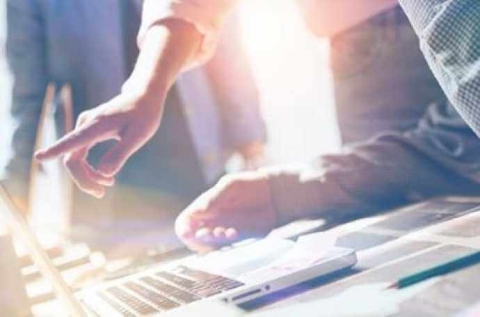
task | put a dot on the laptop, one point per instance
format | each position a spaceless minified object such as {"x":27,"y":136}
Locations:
{"x":235,"y":274}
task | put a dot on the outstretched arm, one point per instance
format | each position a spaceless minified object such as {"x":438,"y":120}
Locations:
{"x":392,"y":169}
{"x":132,"y":117}
{"x":173,"y":35}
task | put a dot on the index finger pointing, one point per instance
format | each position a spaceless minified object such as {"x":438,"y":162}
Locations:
{"x":84,"y":136}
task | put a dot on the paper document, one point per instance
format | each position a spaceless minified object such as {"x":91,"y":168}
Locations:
{"x":308,"y":250}
{"x":246,"y":257}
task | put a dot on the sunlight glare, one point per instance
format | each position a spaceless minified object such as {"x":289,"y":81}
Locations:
{"x":291,"y":68}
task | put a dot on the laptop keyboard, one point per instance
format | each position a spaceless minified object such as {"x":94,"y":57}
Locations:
{"x":164,"y":290}
{"x":132,"y":302}
{"x":178,"y":295}
{"x":119,"y":308}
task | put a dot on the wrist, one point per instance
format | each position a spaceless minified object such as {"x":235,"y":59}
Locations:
{"x":252,"y":149}
{"x":144,"y":89}
{"x":164,"y":52}
{"x":293,"y":195}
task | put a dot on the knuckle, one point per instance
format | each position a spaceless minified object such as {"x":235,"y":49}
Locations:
{"x":235,"y":186}
{"x":103,"y":120}
{"x":225,"y":181}
{"x":82,"y":118}
{"x":86,"y":186}
{"x":231,"y":183}
{"x":68,"y":162}
{"x":179,"y":225}
{"x":81,"y":187}
{"x":100,"y":118}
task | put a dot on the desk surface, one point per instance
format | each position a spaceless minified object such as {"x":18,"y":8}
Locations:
{"x":396,"y":244}
{"x":400,"y":243}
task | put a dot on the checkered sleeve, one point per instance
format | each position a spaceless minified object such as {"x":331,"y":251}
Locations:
{"x":449,"y":32}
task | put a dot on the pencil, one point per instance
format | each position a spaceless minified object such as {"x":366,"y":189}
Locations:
{"x":438,"y":270}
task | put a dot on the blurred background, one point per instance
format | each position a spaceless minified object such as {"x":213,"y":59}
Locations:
{"x":291,"y":68}
{"x":292,"y":74}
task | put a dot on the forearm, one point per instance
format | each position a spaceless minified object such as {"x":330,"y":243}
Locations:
{"x":329,"y":18}
{"x":206,"y":15}
{"x":375,"y":175}
{"x":166,"y":49}
{"x":331,"y":184}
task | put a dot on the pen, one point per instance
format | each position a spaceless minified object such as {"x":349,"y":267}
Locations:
{"x":438,"y":270}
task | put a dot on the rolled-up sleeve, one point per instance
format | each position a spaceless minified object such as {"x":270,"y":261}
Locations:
{"x":206,"y":15}
{"x":449,"y":32}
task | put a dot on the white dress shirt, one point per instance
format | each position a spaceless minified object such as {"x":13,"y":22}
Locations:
{"x":207,"y":16}
{"x":324,"y":17}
